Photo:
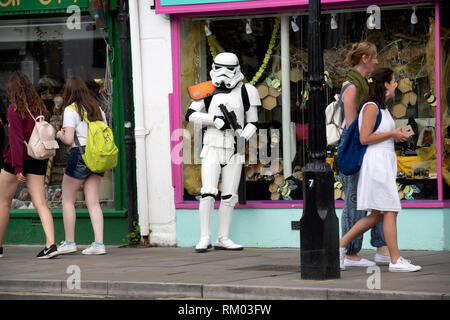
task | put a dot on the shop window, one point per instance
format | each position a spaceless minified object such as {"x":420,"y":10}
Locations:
{"x":49,"y":53}
{"x":445,"y":96}
{"x":402,"y":46}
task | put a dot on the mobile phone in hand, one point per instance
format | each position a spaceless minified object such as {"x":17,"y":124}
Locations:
{"x":408,"y":130}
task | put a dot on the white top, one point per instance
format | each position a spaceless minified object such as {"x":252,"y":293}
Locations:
{"x":73,"y":120}
{"x":377,"y":185}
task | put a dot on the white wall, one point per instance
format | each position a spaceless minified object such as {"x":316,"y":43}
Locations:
{"x":156,"y":69}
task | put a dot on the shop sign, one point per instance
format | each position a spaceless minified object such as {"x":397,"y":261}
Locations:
{"x":36,"y":5}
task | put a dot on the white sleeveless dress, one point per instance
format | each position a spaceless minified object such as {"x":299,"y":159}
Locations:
{"x":377,"y":187}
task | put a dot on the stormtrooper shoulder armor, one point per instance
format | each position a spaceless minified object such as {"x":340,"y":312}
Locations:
{"x":253,"y":95}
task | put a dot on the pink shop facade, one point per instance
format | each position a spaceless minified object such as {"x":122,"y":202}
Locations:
{"x":270,"y":39}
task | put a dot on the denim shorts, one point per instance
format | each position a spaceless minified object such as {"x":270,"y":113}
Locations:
{"x":76,"y":168}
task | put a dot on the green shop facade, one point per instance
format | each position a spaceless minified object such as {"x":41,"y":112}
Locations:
{"x":50,"y":41}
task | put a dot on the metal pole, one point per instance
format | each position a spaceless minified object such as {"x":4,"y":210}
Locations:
{"x":319,"y":226}
{"x":286,"y":96}
{"x":130,"y":144}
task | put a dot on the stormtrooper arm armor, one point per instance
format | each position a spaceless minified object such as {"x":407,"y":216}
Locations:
{"x":195,"y":115}
{"x":251,"y":115}
{"x":249,"y":131}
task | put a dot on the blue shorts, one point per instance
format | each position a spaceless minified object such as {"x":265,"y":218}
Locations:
{"x":76,"y":168}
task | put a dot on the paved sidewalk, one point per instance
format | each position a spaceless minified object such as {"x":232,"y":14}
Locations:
{"x":253,"y":273}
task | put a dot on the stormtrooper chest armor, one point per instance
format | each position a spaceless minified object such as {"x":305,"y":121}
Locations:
{"x":233,"y":101}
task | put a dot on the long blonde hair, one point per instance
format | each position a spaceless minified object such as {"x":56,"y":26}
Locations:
{"x":357,"y":51}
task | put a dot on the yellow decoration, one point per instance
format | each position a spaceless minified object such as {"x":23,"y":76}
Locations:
{"x":212,"y":47}
{"x":259,"y":73}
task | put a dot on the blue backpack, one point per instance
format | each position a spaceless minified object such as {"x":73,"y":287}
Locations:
{"x":351,"y":151}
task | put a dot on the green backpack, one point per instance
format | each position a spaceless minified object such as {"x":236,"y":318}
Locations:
{"x":101,"y":153}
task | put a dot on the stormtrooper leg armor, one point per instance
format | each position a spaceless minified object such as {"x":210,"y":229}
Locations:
{"x":231,"y":174}
{"x":210,"y":180}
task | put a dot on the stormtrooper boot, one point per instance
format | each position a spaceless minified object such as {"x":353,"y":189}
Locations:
{"x":205,"y":212}
{"x":223,"y":242}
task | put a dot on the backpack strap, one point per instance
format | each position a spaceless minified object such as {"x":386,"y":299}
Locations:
{"x":35,"y":119}
{"x":72,"y":106}
{"x":77,"y":142}
{"x":378,"y":121}
{"x":340,"y":102}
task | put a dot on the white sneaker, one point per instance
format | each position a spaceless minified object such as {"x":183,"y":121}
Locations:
{"x":403,"y":265}
{"x":64,"y":248}
{"x":203,"y":245}
{"x":94,"y":249}
{"x":342,"y":258}
{"x":382,"y":259}
{"x":361,"y":263}
{"x":226,"y":244}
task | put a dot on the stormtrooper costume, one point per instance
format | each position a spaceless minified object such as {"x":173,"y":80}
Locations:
{"x":219,"y":154}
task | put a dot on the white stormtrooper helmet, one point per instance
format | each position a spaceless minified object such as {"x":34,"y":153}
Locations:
{"x":226,"y":70}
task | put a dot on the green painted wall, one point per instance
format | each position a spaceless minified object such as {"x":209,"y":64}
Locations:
{"x":29,"y":231}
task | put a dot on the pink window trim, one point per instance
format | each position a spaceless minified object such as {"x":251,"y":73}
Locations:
{"x":298,"y":204}
{"x":263,"y":6}
{"x":271,"y":5}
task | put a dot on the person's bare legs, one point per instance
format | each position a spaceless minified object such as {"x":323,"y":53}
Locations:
{"x":384,"y":250}
{"x":360,"y":227}
{"x":70,"y":187}
{"x":91,"y":196}
{"x":390,"y":234}
{"x":35,"y":187}
{"x":8,"y":187}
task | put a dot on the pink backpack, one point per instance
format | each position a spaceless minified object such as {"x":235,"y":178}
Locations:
{"x":42,"y":144}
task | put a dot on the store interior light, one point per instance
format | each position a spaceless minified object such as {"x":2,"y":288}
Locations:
{"x":414,"y":19}
{"x":333,"y":22}
{"x":294,"y":24}
{"x":248,"y":27}
{"x":207,"y":29}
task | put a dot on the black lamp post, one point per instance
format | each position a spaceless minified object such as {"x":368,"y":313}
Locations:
{"x":130,"y":144}
{"x":319,"y":227}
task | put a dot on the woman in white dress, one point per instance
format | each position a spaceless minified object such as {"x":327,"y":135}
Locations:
{"x":377,"y":188}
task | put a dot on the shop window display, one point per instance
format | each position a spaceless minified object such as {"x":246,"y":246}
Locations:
{"x":406,"y":45}
{"x":49,"y":53}
{"x":445,"y":97}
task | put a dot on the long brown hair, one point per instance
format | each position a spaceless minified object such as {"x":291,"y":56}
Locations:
{"x":76,"y":91}
{"x":377,"y":89}
{"x":23,"y":95}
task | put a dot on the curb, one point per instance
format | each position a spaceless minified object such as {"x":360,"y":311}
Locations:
{"x":210,"y":291}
